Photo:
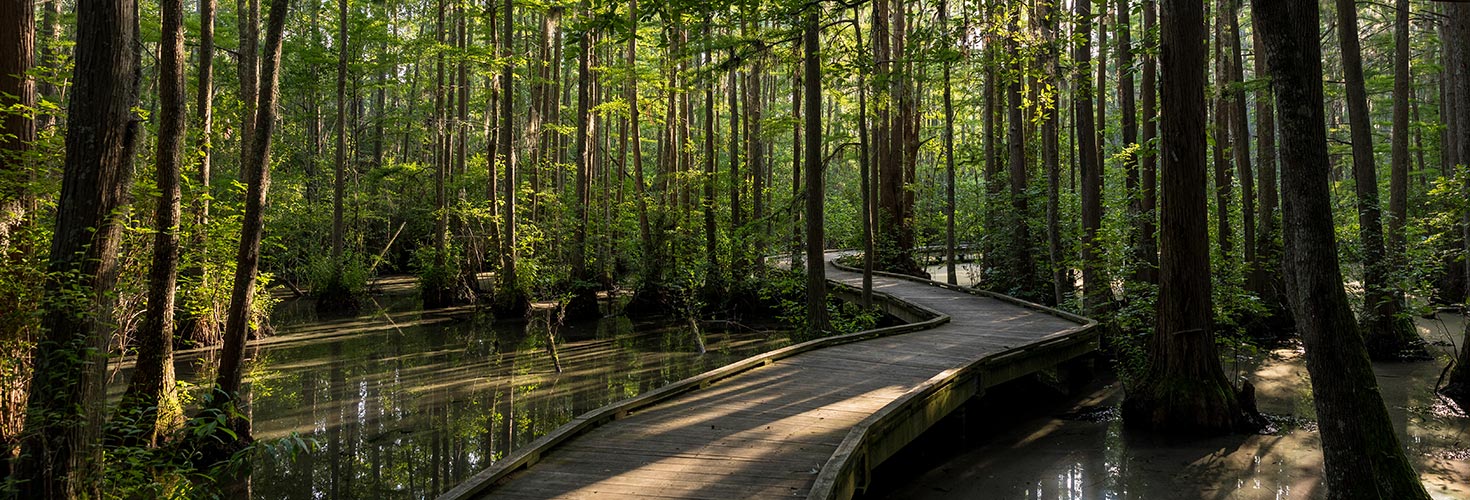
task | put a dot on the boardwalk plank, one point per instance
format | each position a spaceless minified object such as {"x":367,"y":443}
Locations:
{"x":766,"y":432}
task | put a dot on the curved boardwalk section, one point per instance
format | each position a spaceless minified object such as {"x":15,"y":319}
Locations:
{"x":809,"y":420}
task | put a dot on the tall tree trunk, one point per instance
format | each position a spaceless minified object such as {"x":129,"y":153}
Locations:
{"x":1398,"y":178}
{"x":1127,"y":104}
{"x":1265,"y":278}
{"x":1456,"y":36}
{"x":227,"y":396}
{"x":1183,"y":388}
{"x":511,"y":298}
{"x":711,"y":241}
{"x":1094,"y":286}
{"x":1101,"y":94}
{"x":1050,"y":150}
{"x":339,"y":182}
{"x":816,"y":274}
{"x":1220,"y":132}
{"x":1022,"y":265}
{"x":1240,"y":133}
{"x":1148,"y":248}
{"x":247,"y":26}
{"x":17,"y":129}
{"x":583,"y":304}
{"x":1361,"y":452}
{"x":645,"y":233}
{"x":949,"y":205}
{"x":865,"y":166}
{"x":1387,"y":331}
{"x":796,"y":163}
{"x":59,"y":453}
{"x":200,"y":329}
{"x":151,"y":401}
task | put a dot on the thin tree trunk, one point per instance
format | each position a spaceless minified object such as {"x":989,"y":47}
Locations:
{"x":1148,"y":268}
{"x":1240,"y":133}
{"x":1129,"y":120}
{"x":816,"y":275}
{"x":711,"y":242}
{"x":584,"y":299}
{"x":151,"y":401}
{"x":511,"y":299}
{"x":865,"y":166}
{"x":1362,"y":455}
{"x":1398,"y":178}
{"x":1050,"y":151}
{"x":1387,"y":331}
{"x":227,"y":395}
{"x":339,"y":182}
{"x":1022,"y":265}
{"x":1095,"y":290}
{"x":949,"y":205}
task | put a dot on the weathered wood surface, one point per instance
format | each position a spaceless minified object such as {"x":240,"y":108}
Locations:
{"x":809,"y":422}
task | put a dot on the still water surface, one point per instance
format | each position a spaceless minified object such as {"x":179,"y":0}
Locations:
{"x":401,"y":403}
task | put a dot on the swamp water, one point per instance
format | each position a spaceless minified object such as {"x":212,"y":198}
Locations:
{"x":402,"y":403}
{"x":1027,"y":441}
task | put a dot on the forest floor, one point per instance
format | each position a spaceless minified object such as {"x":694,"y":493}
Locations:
{"x":1026,"y":441}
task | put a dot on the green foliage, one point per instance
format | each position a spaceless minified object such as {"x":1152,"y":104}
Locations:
{"x":786,"y":292}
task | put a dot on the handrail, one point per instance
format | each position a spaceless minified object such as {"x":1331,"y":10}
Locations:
{"x":851,"y":451}
{"x":528,"y":455}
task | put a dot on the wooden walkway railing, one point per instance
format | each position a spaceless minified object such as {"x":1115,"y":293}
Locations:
{"x":810,"y":420}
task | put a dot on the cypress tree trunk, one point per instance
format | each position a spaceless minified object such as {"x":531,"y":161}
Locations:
{"x":1183,"y":389}
{"x":151,"y":402}
{"x":59,"y":453}
{"x":227,"y":396}
{"x":1094,"y":287}
{"x":511,"y":299}
{"x":1240,"y":132}
{"x":1148,"y":268}
{"x":1129,"y":121}
{"x":1050,"y":152}
{"x":1388,"y":332}
{"x":711,"y":241}
{"x":949,"y":242}
{"x":1265,"y":277}
{"x":1457,"y":86}
{"x":1021,"y":265}
{"x":816,"y":274}
{"x":1362,"y":456}
{"x":865,"y":166}
{"x":201,"y":329}
{"x":584,"y":297}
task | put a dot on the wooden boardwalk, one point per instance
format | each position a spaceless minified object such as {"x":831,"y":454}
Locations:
{"x":810,"y":420}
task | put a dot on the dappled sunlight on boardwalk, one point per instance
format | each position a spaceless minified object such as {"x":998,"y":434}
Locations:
{"x":774,"y":429}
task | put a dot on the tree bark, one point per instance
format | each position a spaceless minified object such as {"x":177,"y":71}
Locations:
{"x":1240,"y":133}
{"x":1021,"y":264}
{"x":1398,"y":178}
{"x":227,"y":396}
{"x":1388,"y":332}
{"x":1148,"y":267}
{"x":816,"y":273}
{"x":1183,"y":389}
{"x":583,"y":304}
{"x":1127,"y":104}
{"x":1361,"y":452}
{"x":17,"y":129}
{"x":1050,"y":150}
{"x":339,"y":182}
{"x":949,"y":205}
{"x":1094,"y":288}
{"x":511,"y":298}
{"x":1456,"y":36}
{"x":59,"y":453}
{"x":151,"y":401}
